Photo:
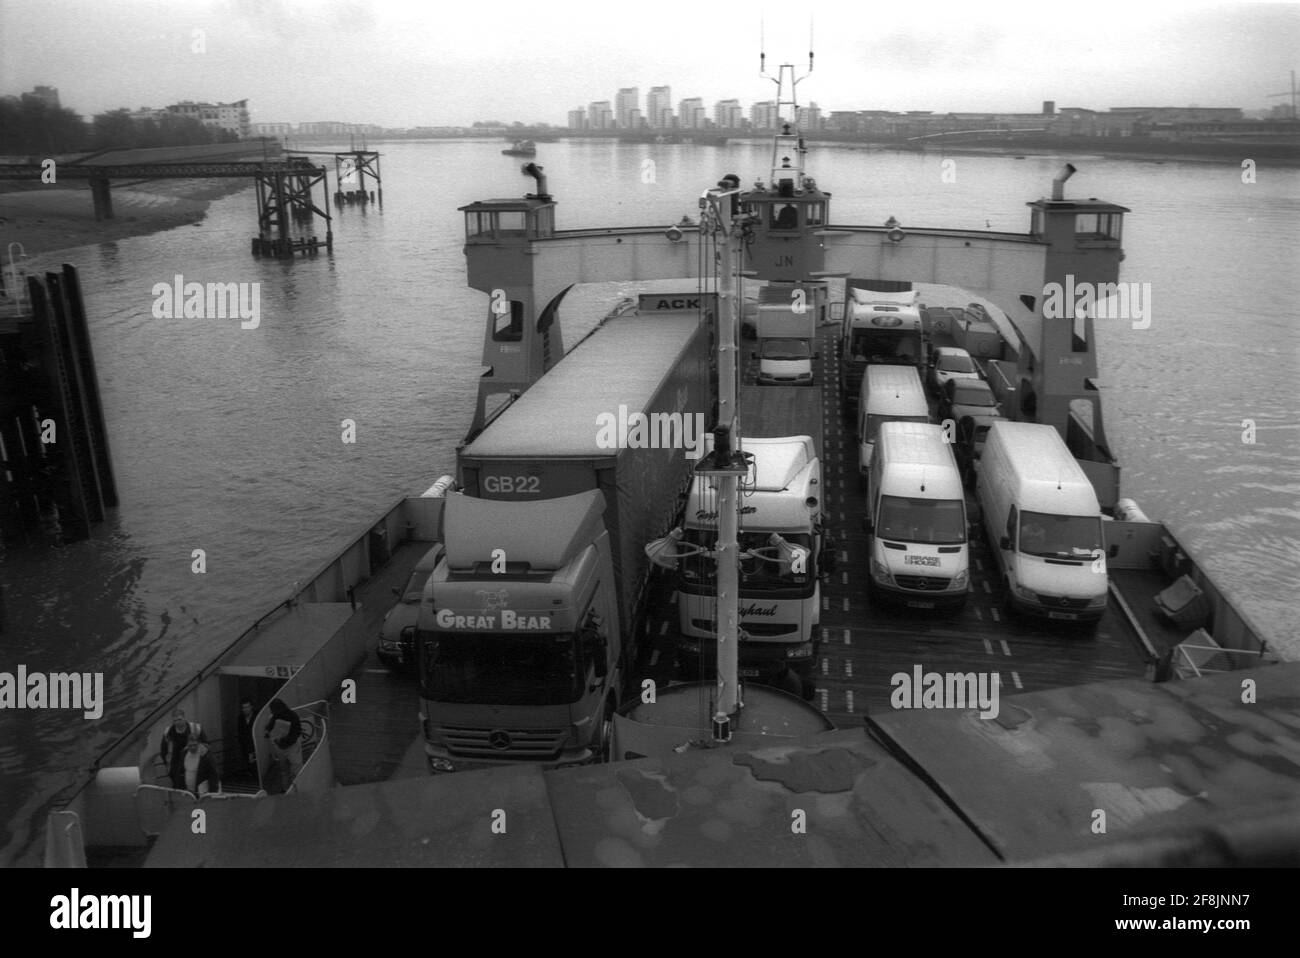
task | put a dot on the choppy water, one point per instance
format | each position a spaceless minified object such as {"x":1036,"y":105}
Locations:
{"x":228,"y":440}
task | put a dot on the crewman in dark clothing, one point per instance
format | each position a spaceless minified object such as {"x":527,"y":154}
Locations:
{"x":174,"y":741}
{"x":247,"y":751}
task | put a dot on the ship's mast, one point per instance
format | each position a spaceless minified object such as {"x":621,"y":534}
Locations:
{"x":725,"y":465}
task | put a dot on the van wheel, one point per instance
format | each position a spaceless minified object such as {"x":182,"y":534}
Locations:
{"x":1008,"y":607}
{"x":606,"y":733}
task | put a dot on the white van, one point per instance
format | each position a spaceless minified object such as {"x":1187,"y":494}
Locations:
{"x":889,"y":394}
{"x":1043,"y":523}
{"x":916,"y":519}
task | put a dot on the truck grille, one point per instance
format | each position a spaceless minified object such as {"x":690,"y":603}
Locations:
{"x":922,"y":583}
{"x":503,"y":743}
{"x":1060,"y":601}
{"x":754,"y":628}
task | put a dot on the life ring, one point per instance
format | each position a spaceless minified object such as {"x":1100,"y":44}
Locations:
{"x":895,"y":235}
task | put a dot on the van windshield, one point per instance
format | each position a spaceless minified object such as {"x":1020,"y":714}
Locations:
{"x":956,"y":364}
{"x":1063,"y":537}
{"x":495,"y":668}
{"x":931,"y":521}
{"x":873,"y":424}
{"x":785,"y":349}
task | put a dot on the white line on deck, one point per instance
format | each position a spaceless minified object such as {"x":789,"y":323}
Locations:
{"x":844,"y":555}
{"x":826,"y":699}
{"x":987,"y":590}
{"x":826,"y":603}
{"x":848,"y":670}
{"x":674,"y":599}
{"x":979,"y":565}
{"x":848,"y":637}
{"x":1006,"y":649}
{"x":994,"y":613}
{"x":663,"y":629}
{"x":988,"y":649}
{"x":844,"y":578}
{"x":826,"y":666}
{"x":978,"y":614}
{"x":848,"y":695}
{"x":1015,"y":677}
{"x":846,"y":603}
{"x":379,"y":672}
{"x":654,"y":657}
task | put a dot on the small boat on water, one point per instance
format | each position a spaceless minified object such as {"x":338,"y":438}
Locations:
{"x":522,"y":148}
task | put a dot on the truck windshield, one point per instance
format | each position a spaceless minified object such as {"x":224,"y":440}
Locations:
{"x":494,"y":668}
{"x":785,"y":349}
{"x":886,"y":345}
{"x":755,"y":572}
{"x":931,"y":521}
{"x":1060,"y":537}
{"x":956,"y":364}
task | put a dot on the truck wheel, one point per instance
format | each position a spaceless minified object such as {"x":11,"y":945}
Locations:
{"x":809,"y":688}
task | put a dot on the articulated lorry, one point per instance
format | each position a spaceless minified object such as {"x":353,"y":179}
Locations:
{"x":529,"y":627}
{"x":879,"y":327}
{"x":781,"y":539}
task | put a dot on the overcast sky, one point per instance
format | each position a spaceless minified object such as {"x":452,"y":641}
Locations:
{"x":451,"y":62}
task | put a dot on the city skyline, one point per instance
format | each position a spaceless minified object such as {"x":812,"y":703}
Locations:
{"x":396,"y":65}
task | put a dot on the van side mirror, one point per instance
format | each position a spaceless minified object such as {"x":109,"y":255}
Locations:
{"x":1113,"y":551}
{"x":1004,"y":543}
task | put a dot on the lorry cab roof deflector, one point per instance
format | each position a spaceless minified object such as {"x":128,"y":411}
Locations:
{"x":477,"y":527}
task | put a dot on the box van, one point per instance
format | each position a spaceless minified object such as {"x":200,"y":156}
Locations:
{"x":1043,"y":523}
{"x":889,"y":394}
{"x":916,"y":519}
{"x":397,"y":632}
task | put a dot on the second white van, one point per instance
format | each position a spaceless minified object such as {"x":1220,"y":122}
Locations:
{"x":1043,"y":523}
{"x":916,"y":519}
{"x":889,"y":394}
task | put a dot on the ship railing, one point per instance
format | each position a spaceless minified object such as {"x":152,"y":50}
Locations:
{"x":1199,"y":655}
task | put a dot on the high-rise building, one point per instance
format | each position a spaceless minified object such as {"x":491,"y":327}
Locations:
{"x":809,"y":118}
{"x":600,"y":115}
{"x":628,"y":99}
{"x":578,"y":119}
{"x":728,"y":114}
{"x":48,"y":95}
{"x":659,"y":107}
{"x":764,"y":115}
{"x":691,"y":114}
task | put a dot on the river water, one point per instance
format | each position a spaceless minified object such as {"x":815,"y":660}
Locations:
{"x":228,"y":439}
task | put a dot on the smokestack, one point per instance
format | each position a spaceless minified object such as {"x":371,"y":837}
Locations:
{"x":535,"y":171}
{"x":1058,"y":184}
{"x":1049,"y":108}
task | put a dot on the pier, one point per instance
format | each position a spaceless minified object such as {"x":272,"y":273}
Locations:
{"x":56,"y":473}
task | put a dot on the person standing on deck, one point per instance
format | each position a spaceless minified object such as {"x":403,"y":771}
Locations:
{"x":174,"y":742}
{"x":200,"y":774}
{"x":285,"y":732}
{"x":247,"y":752}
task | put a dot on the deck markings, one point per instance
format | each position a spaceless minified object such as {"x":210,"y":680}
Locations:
{"x":979,"y":565}
{"x":848,"y":697}
{"x":848,"y":669}
{"x":844,"y":555}
{"x":654,"y":657}
{"x":1006,"y":649}
{"x":826,"y":666}
{"x":1015,"y":677}
{"x":378,"y":672}
{"x":988,"y":648}
{"x":846,"y":603}
{"x":826,"y":699}
{"x":987,"y":590}
{"x":848,"y":637}
{"x":844,"y":578}
{"x":663,"y":628}
{"x":996,"y":616}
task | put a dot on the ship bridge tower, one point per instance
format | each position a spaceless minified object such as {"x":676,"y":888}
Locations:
{"x":521,"y":338}
{"x":783,"y":244}
{"x":1080,"y":289}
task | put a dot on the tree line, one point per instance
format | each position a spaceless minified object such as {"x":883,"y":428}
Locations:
{"x":32,"y":127}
